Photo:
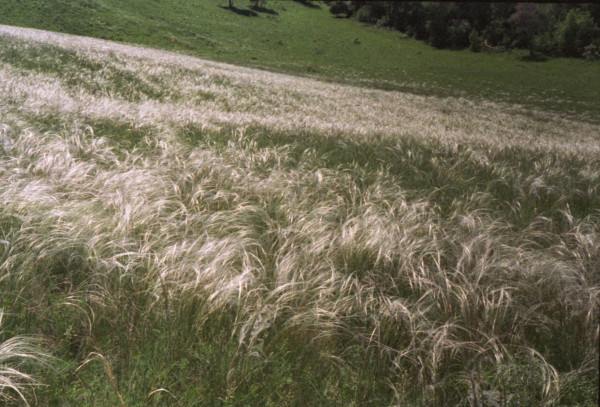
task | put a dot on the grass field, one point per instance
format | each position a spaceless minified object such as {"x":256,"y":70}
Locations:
{"x":176,"y":231}
{"x":293,"y":37}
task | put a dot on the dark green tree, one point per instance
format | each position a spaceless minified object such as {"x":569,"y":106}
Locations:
{"x":575,"y":32}
{"x":438,"y":15}
{"x":527,"y":22}
{"x":474,"y":41}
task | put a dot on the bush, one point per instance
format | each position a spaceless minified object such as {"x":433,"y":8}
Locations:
{"x":527,"y":22}
{"x":437,"y":24}
{"x":495,"y":32}
{"x":364,"y":15}
{"x":545,"y":43}
{"x":458,"y":32}
{"x":370,"y":13}
{"x":575,"y":32}
{"x":383,"y":22}
{"x":592,"y":52}
{"x":474,"y":41}
{"x":340,"y":7}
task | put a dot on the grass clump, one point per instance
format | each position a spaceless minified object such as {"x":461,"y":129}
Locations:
{"x":93,"y":76}
{"x":207,"y":252}
{"x":17,"y":355}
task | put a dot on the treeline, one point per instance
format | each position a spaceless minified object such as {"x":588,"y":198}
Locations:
{"x":557,"y":29}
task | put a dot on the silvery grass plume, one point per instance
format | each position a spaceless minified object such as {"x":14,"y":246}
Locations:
{"x":445,"y":250}
{"x":15,"y":355}
{"x":148,"y":86}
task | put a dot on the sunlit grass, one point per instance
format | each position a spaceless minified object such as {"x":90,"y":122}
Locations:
{"x":289,"y":242}
{"x":308,"y":40}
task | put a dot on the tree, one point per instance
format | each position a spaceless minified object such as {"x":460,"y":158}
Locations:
{"x":478,"y":14}
{"x":371,"y":12}
{"x":474,"y":41}
{"x":458,"y":33}
{"x":575,"y":32}
{"x":493,"y":26}
{"x":340,"y":7}
{"x":527,"y":21}
{"x":438,"y":15}
{"x":497,"y":33}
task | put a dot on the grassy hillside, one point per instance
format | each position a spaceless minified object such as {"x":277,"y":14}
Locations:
{"x":295,"y":37}
{"x":178,"y":232}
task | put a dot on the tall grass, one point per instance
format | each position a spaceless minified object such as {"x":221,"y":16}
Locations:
{"x":260,"y":247}
{"x":15,"y":354}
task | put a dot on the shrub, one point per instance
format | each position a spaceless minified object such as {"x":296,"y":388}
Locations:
{"x":340,"y":7}
{"x":575,"y":32}
{"x":437,"y":24}
{"x":545,"y":43}
{"x":527,"y":21}
{"x":495,"y":32}
{"x":474,"y":41}
{"x":459,"y":33}
{"x":370,"y":13}
{"x":592,"y":52}
{"x":383,"y":22}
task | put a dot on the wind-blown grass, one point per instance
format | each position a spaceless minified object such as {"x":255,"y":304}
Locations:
{"x":14,"y":353}
{"x":286,"y":241}
{"x":310,"y":41}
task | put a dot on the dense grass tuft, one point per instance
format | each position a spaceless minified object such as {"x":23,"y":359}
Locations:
{"x":223,"y":239}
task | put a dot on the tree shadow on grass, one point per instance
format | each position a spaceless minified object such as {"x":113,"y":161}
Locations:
{"x":240,"y":11}
{"x":308,"y":3}
{"x":265,"y":10}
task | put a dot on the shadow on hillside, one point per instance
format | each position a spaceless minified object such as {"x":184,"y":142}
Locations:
{"x":240,"y":11}
{"x":308,"y":3}
{"x":265,"y":10}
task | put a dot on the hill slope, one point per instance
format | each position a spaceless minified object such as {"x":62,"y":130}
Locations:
{"x":292,"y":37}
{"x":185,"y":232}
